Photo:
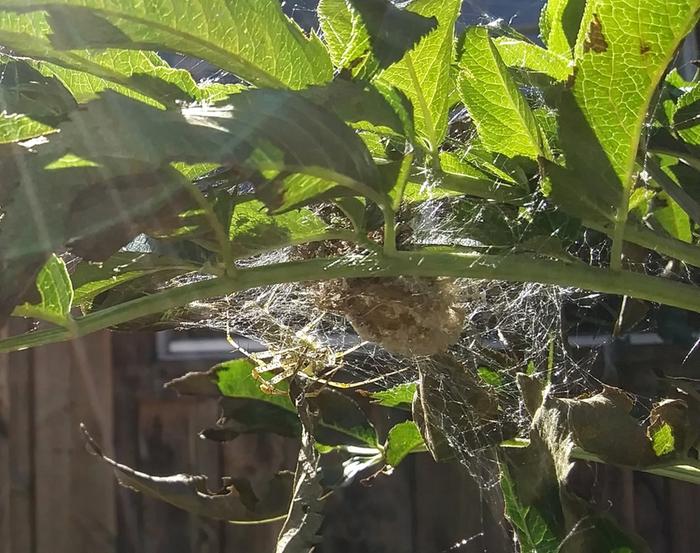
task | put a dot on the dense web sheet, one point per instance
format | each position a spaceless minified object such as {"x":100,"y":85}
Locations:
{"x":508,"y":328}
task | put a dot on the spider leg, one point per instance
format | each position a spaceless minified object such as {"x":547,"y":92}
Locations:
{"x":267,"y":386}
{"x":348,"y":351}
{"x":235,"y":345}
{"x":351,"y":385}
{"x":303,"y":333}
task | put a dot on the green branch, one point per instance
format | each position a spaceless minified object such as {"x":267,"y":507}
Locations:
{"x":684,"y":472}
{"x":633,"y":232}
{"x":402,"y":179}
{"x":217,"y":228}
{"x":515,"y":268}
{"x":647,"y":238}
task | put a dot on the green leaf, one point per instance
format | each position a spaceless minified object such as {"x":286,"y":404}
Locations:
{"x":559,"y":25}
{"x":297,"y":190}
{"x":340,"y":418}
{"x":235,"y":379}
{"x":253,"y":230}
{"x":676,"y":80}
{"x":503,"y":119}
{"x":663,"y":440}
{"x":491,"y":377}
{"x":673,"y":219}
{"x":240,"y":416}
{"x":479,"y":162}
{"x":369,"y":107}
{"x":587,"y":188}
{"x":344,"y":32}
{"x":525,"y":55}
{"x":141,"y":75}
{"x":418,"y":192}
{"x":534,"y":531}
{"x":294,"y":134}
{"x":91,"y":279}
{"x":252,"y":39}
{"x":55,"y":288}
{"x":393,"y":31}
{"x":52,"y":208}
{"x":669,"y":182}
{"x":355,"y":210}
{"x":25,"y":90}
{"x":428,"y":85}
{"x":266,"y":131}
{"x":612,"y":101}
{"x":640,"y":200}
{"x":401,"y":441}
{"x":370,"y":30}
{"x":476,"y":177}
{"x":31,"y":104}
{"x":16,"y":127}
{"x":56,"y":291}
{"x":686,"y":117}
{"x":396,"y":396}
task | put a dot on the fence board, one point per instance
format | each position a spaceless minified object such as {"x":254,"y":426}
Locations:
{"x":205,"y":536}
{"x":74,"y":492}
{"x":163,"y":427}
{"x":18,"y":476}
{"x":257,"y":457}
{"x":5,"y":424}
{"x":52,"y":443}
{"x":92,"y":482}
{"x":683,"y":501}
{"x":132,"y":354}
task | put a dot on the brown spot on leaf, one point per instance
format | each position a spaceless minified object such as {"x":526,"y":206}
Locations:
{"x":595,"y":40}
{"x":644,"y":48}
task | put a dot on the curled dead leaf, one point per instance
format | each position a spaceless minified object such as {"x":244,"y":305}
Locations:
{"x":236,"y":501}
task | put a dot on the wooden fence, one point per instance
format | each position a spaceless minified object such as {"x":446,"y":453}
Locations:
{"x":56,"y":498}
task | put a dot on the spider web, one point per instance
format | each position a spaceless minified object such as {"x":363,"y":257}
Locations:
{"x":508,"y":327}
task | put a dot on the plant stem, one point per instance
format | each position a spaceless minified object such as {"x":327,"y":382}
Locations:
{"x":665,"y":245}
{"x":345,"y":235}
{"x":618,"y":234}
{"x":678,"y":193}
{"x":402,"y":179}
{"x":513,"y":267}
{"x":633,"y":232}
{"x":389,"y":230}
{"x":425,"y":112}
{"x":221,"y":235}
{"x":686,"y":473}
